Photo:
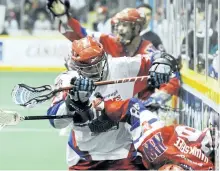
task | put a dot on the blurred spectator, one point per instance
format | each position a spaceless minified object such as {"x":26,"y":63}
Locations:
{"x":213,"y":69}
{"x":13,"y":6}
{"x":113,"y":6}
{"x":79,"y":9}
{"x":103,"y":23}
{"x":11,"y":22}
{"x":163,"y":26}
{"x":146,"y":33}
{"x":98,"y":3}
{"x":42,"y":23}
{"x":28,"y":17}
{"x":200,"y":35}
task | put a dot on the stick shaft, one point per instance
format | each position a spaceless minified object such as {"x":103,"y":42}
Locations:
{"x":123,"y":80}
{"x":47,"y":117}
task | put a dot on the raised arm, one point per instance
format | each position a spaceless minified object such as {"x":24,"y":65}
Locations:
{"x":68,"y":26}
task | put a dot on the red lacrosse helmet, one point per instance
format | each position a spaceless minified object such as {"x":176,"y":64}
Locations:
{"x":89,"y":58}
{"x":129,"y":15}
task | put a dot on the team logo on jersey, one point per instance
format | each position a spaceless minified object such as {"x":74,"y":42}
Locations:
{"x":154,"y":147}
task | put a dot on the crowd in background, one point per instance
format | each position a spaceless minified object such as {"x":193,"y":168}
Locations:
{"x":31,"y":16}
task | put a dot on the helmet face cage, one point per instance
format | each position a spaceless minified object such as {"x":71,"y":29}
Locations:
{"x":96,"y":71}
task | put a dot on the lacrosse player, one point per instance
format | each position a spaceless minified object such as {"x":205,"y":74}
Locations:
{"x":126,"y":26}
{"x":97,"y":147}
{"x":176,"y":145}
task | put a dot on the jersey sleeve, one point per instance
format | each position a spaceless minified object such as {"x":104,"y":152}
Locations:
{"x":145,"y":65}
{"x":116,"y":110}
{"x":58,"y":106}
{"x":124,"y":110}
{"x":166,"y":91}
{"x":172,"y":87}
{"x":140,"y":66}
{"x":73,"y":30}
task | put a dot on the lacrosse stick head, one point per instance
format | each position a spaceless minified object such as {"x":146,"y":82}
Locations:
{"x":9,"y":118}
{"x":27,"y":96}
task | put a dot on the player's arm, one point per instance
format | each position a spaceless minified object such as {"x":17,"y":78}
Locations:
{"x":77,"y":101}
{"x":166,"y":90}
{"x":58,"y":106}
{"x":74,"y":101}
{"x":163,"y":71}
{"x":60,"y":10}
{"x":165,"y":77}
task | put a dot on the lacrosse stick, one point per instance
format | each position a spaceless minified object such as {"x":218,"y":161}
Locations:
{"x":13,"y":118}
{"x":27,"y":96}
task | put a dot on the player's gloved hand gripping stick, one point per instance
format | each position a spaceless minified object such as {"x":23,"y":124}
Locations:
{"x":27,"y":96}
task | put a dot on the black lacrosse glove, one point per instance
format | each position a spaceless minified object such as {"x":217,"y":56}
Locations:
{"x":58,"y":8}
{"x":161,"y":70}
{"x":78,"y":98}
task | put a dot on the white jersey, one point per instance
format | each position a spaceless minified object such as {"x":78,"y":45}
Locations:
{"x":113,"y":144}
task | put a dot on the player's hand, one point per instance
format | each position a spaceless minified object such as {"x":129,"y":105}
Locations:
{"x":159,"y":74}
{"x":163,"y":66}
{"x":57,"y":7}
{"x":82,"y":89}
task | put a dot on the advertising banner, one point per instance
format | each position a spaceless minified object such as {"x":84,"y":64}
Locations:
{"x":200,"y":115}
{"x":33,"y":52}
